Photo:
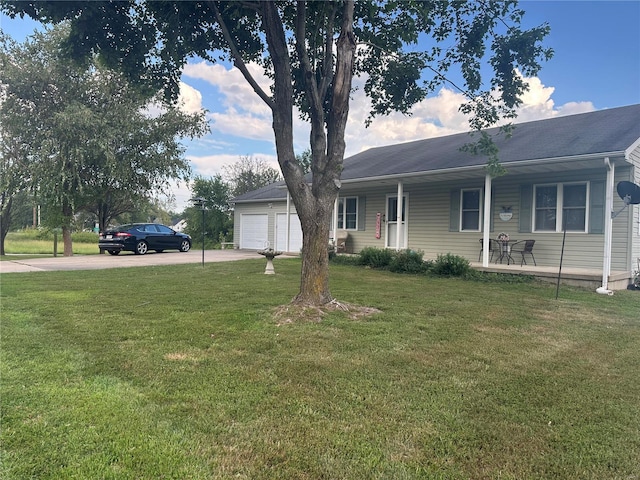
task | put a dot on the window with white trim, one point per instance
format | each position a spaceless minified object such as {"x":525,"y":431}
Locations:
{"x":348,"y":213}
{"x":561,"y":204}
{"x":470,"y":212}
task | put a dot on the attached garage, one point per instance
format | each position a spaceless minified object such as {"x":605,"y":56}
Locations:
{"x":295,"y":233}
{"x":254,"y":231}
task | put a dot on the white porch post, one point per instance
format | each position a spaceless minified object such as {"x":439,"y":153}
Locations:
{"x":608,"y":226}
{"x":288,"y":220}
{"x":335,"y":219}
{"x":486,"y":220}
{"x":399,"y":216}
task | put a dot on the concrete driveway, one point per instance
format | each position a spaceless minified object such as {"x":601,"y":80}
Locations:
{"x":125,"y":259}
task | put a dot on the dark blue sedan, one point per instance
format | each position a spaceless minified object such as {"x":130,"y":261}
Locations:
{"x":142,"y":237}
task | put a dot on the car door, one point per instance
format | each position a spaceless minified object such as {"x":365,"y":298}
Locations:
{"x":152,"y":237}
{"x":168,"y":237}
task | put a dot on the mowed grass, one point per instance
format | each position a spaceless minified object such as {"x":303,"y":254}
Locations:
{"x":182,"y":372}
{"x":35,"y":242}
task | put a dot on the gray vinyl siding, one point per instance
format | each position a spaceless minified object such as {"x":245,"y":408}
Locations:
{"x":365,"y":235}
{"x":621,"y":225}
{"x":429,"y":222}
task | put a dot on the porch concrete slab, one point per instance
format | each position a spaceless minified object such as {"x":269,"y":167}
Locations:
{"x":579,"y":277}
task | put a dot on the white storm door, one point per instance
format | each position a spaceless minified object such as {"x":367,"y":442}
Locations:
{"x":254,"y":230}
{"x":295,"y":233}
{"x":392,"y":222}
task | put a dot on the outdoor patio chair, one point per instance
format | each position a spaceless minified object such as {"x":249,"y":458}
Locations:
{"x":341,"y":241}
{"x":524,"y":247}
{"x":493,"y":248}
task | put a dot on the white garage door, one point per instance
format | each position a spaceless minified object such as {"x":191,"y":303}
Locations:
{"x":253,"y":231}
{"x":295,"y":233}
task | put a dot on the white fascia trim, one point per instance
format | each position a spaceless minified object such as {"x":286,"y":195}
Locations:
{"x":261,"y":200}
{"x":632,"y":147}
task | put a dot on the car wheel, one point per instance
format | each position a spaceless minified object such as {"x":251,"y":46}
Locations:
{"x":142,"y":247}
{"x":113,"y":252}
{"x":185,"y":246}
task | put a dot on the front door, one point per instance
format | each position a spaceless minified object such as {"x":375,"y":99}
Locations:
{"x":392,"y":223}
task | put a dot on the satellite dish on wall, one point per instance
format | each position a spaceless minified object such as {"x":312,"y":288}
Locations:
{"x":629,"y":190}
{"x":630,"y":195}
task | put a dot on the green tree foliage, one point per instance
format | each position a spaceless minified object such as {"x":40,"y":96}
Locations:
{"x":305,"y":159}
{"x":311,"y":50}
{"x":249,"y":174}
{"x":23,"y":211}
{"x":218,"y":225}
{"x":13,"y":178}
{"x":89,"y":139}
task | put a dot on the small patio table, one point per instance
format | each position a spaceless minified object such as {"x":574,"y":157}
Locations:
{"x":505,"y":251}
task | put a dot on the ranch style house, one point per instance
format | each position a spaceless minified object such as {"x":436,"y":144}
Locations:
{"x":560,"y":193}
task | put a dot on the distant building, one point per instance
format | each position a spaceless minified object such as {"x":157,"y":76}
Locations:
{"x":180,"y":226}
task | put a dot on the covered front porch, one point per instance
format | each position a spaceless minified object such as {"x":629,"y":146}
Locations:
{"x":580,"y":277}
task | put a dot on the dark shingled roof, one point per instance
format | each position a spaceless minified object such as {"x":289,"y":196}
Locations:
{"x":603,"y":131}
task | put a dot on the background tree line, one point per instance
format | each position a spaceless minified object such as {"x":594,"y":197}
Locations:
{"x":79,"y":149}
{"x":79,"y":139}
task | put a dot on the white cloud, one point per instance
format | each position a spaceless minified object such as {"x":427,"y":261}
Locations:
{"x":210,"y":165}
{"x":440,"y":115}
{"x":189,"y":99}
{"x":537,"y":103}
{"x":234,"y":89}
{"x":433,"y":117}
{"x":241,"y":124}
{"x":572,"y":108}
{"x":180,"y":195}
{"x":244,"y":115}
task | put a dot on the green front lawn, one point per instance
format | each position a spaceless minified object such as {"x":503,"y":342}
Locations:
{"x":182,"y":372}
{"x":42,"y":242}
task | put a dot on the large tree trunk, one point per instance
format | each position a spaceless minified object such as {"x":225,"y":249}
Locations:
{"x":66,"y":238}
{"x":5,"y":220}
{"x":314,"y":279}
{"x":314,"y":203}
{"x":67,"y":212}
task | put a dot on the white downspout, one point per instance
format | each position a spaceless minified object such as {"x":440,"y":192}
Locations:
{"x":608,"y":228}
{"x":399,"y":216}
{"x":288,"y":221}
{"x":486,"y":221}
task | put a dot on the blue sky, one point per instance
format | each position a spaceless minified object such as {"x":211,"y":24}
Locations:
{"x":596,"y":65}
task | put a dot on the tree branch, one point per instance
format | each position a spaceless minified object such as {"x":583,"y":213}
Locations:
{"x":307,"y":70}
{"x":327,"y":74}
{"x":238,"y":61}
{"x":439,"y":74}
{"x":339,"y":111}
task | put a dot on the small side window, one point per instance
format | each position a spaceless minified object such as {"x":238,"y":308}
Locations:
{"x":348,"y":213}
{"x":470,"y":210}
